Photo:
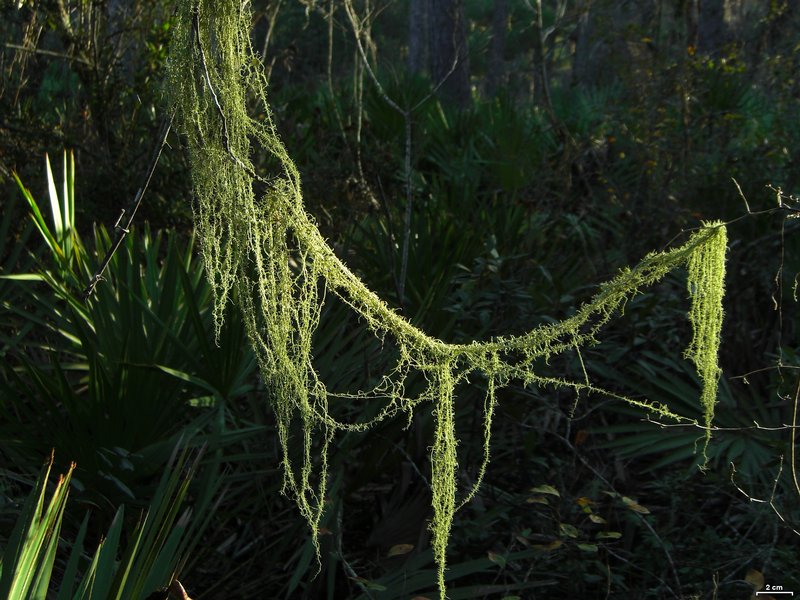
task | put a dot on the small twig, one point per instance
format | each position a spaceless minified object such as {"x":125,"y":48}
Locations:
{"x":329,"y":75}
{"x":744,"y":376}
{"x":742,"y":196}
{"x":408,"y":212}
{"x":391,"y":238}
{"x":771,"y":500}
{"x":794,"y":212}
{"x":207,"y":75}
{"x":755,"y":425}
{"x":793,"y":456}
{"x":61,"y":55}
{"x":408,"y":458}
{"x":123,"y":230}
{"x":271,"y":19}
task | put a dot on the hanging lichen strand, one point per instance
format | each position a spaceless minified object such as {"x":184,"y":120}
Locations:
{"x":266,"y":254}
{"x":706,"y":289}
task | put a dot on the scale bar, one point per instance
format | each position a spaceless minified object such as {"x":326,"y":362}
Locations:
{"x":775,"y":593}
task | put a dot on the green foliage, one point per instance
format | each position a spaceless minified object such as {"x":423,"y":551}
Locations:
{"x":418,"y":578}
{"x":112,"y":384}
{"x":13,"y":240}
{"x":61,"y":239}
{"x":27,"y":563}
{"x":127,"y":564}
{"x":85,"y":76}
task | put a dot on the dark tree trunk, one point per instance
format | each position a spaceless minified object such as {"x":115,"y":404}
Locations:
{"x":691,"y":16}
{"x":603,"y":34}
{"x":783,"y":24}
{"x":418,"y":35}
{"x":449,"y":59}
{"x":711,"y":28}
{"x":582,"y":70}
{"x":541,"y":94}
{"x":495,"y":76}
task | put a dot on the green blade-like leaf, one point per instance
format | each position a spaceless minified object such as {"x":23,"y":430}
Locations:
{"x":107,"y":558}
{"x":51,"y":525}
{"x":17,"y":570}
{"x":55,"y":204}
{"x":23,"y":277}
{"x":183,"y":376}
{"x":65,"y":194}
{"x":29,"y":556}
{"x":38,"y":219}
{"x":70,"y":575}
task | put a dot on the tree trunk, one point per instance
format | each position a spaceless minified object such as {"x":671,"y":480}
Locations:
{"x":418,"y":35}
{"x":582,"y":55}
{"x":783,"y":22}
{"x":449,"y":59}
{"x":541,"y":93}
{"x":711,"y":28}
{"x":691,"y":16}
{"x":495,"y":76}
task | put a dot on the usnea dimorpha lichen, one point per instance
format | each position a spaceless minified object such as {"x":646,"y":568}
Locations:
{"x":265,"y":253}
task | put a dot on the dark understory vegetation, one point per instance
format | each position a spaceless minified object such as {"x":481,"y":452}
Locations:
{"x":521,"y":203}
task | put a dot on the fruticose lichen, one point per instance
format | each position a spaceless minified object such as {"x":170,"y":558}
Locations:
{"x":265,"y":253}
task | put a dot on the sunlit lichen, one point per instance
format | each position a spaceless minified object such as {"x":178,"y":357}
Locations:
{"x":264,"y":252}
{"x":706,"y":284}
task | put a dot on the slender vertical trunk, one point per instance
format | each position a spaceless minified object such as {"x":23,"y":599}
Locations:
{"x":581,"y":56}
{"x":711,"y":27}
{"x":541,"y":90}
{"x":449,"y":58}
{"x":418,"y":35}
{"x":495,"y":76}
{"x":691,"y":16}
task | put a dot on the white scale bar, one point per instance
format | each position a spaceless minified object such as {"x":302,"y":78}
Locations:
{"x":775,"y":593}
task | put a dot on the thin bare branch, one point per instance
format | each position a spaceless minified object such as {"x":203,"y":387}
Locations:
{"x":123,"y":230}
{"x":771,"y":500}
{"x":792,"y":445}
{"x":406,"y":114}
{"x":43,"y":52}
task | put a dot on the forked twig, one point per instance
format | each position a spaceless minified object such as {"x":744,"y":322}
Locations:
{"x":406,"y":114}
{"x":123,"y":230}
{"x":771,"y":500}
{"x":48,"y":53}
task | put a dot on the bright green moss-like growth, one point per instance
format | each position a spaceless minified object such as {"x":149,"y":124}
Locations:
{"x":265,"y":253}
{"x":706,"y":283}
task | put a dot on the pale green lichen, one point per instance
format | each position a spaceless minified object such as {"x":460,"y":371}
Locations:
{"x":706,"y":284}
{"x":266,"y":254}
